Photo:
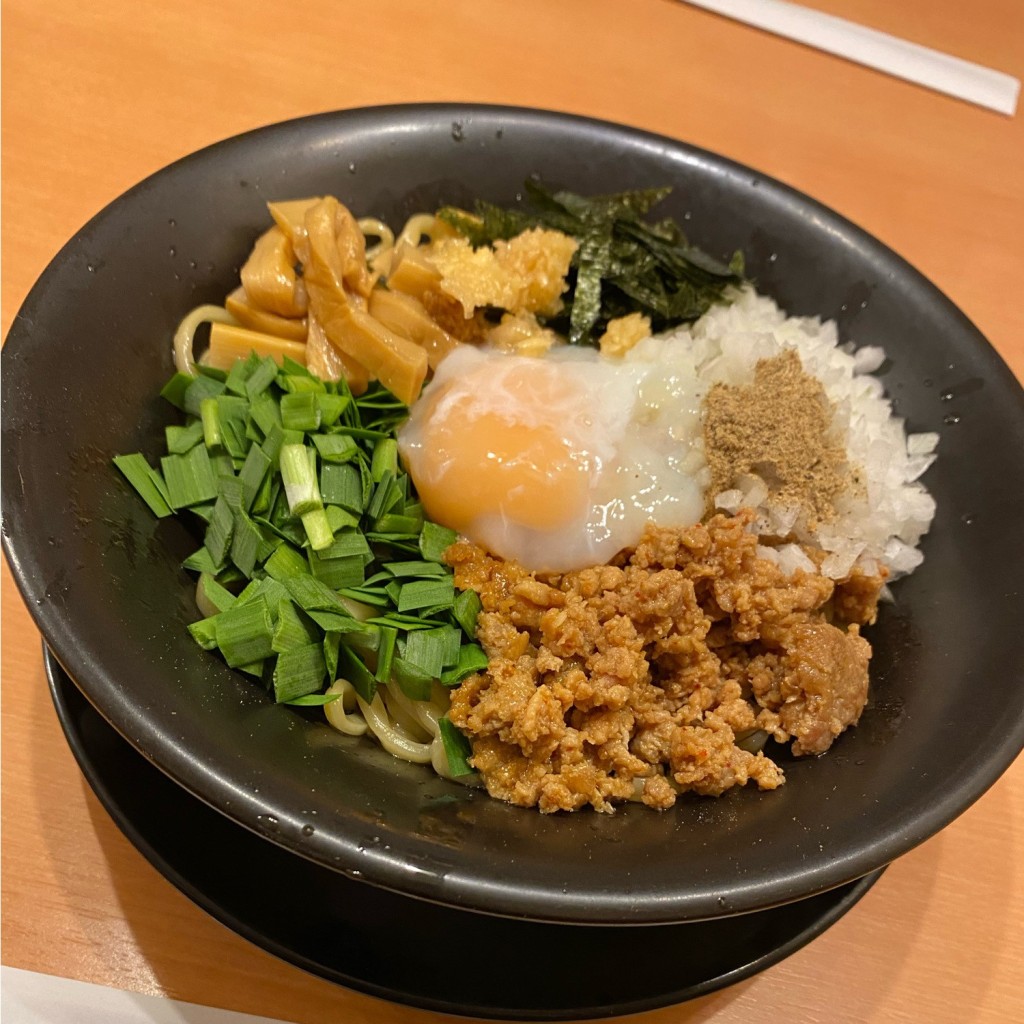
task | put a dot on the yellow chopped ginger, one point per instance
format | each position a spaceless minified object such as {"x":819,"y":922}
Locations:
{"x":520,"y":333}
{"x":623,"y":333}
{"x":523,"y":275}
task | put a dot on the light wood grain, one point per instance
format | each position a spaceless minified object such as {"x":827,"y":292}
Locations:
{"x":96,"y":95}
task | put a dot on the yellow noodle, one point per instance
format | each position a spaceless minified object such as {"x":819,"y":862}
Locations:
{"x":343,"y":712}
{"x":418,"y":225}
{"x":184,"y":336}
{"x":393,"y":739}
{"x":374,"y":228}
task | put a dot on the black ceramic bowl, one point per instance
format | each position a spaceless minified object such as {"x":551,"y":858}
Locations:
{"x":90,"y":349}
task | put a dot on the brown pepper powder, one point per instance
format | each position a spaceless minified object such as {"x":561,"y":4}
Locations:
{"x":778,"y":428}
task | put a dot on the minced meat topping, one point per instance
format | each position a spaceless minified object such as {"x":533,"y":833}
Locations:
{"x":653,"y":676}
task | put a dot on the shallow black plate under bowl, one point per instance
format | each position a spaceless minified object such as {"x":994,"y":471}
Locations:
{"x":91,"y":348}
{"x":387,"y":945}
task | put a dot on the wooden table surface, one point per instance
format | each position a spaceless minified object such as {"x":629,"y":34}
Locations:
{"x":97,"y":94}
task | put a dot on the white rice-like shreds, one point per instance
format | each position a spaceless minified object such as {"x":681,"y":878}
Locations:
{"x":882,"y":521}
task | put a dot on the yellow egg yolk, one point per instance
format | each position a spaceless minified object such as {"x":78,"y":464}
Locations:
{"x":491,"y":445}
{"x":485,"y":466}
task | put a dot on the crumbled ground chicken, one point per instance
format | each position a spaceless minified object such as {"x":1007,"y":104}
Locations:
{"x":640,"y":679}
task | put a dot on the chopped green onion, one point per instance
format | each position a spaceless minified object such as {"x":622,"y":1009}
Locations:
{"x":432,"y":650}
{"x":406,"y":623}
{"x":367,"y":595}
{"x":349,"y":542}
{"x":209,"y":414}
{"x":218,"y":534}
{"x":213,"y":372}
{"x":268,"y":588}
{"x":231,"y":492}
{"x":299,"y":672}
{"x":335,"y":447}
{"x":223,"y":464}
{"x":338,"y":519}
{"x":312,"y":700}
{"x":426,"y":594}
{"x":466,"y":608}
{"x":332,"y":644}
{"x":266,"y":414}
{"x":141,"y":475}
{"x":384,"y":496}
{"x":190,"y":478}
{"x":198,"y":389}
{"x":233,"y":416}
{"x":341,"y":485}
{"x":293,"y":369}
{"x":414,"y":682}
{"x":304,"y":538}
{"x":246,"y":541}
{"x":293,"y":628}
{"x":435,"y":540}
{"x":414,"y":569}
{"x":245,"y":632}
{"x":300,"y":411}
{"x":457,"y":749}
{"x":174,"y":390}
{"x":318,"y":529}
{"x":201,"y":561}
{"x":213,"y":594}
{"x":238,"y":375}
{"x":385,"y":459}
{"x":331,"y":407}
{"x":252,"y":474}
{"x":472,"y":659}
{"x":362,"y":433}
{"x":350,"y":667}
{"x":181,"y":439}
{"x":337,"y":573}
{"x":261,"y":378}
{"x":299,"y":477}
{"x":266,"y":495}
{"x":385,"y":653}
{"x":204,"y":632}
{"x":300,"y":383}
{"x":394,"y":527}
{"x":284,"y":563}
{"x":451,"y":639}
{"x":312,"y":595}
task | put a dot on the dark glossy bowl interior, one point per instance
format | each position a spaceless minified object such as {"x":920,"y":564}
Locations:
{"x":91,"y":348}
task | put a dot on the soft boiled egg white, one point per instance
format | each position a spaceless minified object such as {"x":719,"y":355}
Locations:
{"x":559,"y":462}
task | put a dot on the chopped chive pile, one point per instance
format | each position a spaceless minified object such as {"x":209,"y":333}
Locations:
{"x":316,"y":561}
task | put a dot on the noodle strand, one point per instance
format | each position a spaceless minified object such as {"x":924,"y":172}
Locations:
{"x":184,"y":336}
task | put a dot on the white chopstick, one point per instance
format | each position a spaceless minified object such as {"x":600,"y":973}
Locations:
{"x":939,"y":71}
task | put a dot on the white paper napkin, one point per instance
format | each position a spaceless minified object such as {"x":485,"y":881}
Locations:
{"x":27,"y":997}
{"x":939,"y":71}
